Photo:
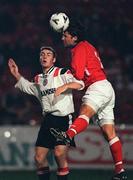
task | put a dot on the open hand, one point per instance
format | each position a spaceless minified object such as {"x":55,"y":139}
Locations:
{"x":13,"y":68}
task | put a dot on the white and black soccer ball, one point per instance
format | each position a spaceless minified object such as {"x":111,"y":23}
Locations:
{"x":59,"y":22}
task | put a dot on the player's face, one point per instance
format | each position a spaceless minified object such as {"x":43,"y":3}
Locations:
{"x":47,"y":58}
{"x":68,"y":39}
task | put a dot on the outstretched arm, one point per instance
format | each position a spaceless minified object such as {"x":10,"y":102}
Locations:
{"x":14,"y":69}
{"x":22,"y":83}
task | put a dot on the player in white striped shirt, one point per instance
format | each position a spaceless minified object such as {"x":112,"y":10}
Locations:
{"x":57,"y":111}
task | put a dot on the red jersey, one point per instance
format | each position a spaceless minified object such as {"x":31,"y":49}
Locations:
{"x":86,"y":64}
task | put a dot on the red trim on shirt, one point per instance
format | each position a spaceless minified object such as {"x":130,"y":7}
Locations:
{"x":56,"y":72}
{"x":69,"y":72}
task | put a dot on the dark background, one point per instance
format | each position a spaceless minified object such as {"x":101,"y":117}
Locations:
{"x":24,"y":28}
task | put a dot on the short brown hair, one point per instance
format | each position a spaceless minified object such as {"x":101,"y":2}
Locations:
{"x":48,"y":48}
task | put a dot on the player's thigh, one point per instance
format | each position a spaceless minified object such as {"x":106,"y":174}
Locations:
{"x":87,"y":110}
{"x":98,"y":95}
{"x":106,"y":113}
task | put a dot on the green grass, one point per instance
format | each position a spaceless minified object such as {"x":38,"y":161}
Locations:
{"x":74,"y":175}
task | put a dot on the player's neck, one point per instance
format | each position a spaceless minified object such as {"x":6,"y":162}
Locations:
{"x":48,"y":70}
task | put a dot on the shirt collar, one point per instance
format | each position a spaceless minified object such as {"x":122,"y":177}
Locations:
{"x":50,"y":70}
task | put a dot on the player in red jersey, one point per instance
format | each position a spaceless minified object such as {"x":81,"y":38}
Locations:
{"x":99,"y":97}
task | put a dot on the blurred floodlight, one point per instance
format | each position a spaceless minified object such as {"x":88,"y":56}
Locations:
{"x":122,"y":126}
{"x":7,"y":134}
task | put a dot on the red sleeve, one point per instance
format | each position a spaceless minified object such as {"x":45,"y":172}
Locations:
{"x":78,"y":62}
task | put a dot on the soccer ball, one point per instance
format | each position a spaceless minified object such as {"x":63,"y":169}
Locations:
{"x":59,"y":22}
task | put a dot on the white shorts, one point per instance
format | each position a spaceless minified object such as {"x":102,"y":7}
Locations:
{"x":101,"y":97}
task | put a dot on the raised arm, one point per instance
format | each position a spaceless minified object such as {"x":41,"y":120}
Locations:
{"x":14,"y":69}
{"x":22,"y":83}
